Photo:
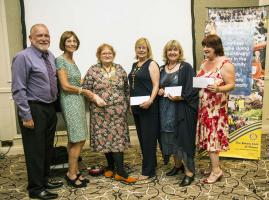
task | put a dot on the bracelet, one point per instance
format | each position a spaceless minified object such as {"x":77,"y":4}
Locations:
{"x":79,"y":90}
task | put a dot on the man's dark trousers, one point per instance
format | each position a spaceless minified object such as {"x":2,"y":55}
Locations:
{"x":38,"y":144}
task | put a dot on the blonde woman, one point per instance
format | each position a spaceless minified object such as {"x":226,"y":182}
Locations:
{"x":144,"y":81}
{"x":178,"y":114}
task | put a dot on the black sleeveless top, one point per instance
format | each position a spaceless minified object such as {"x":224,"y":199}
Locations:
{"x":141,"y":85}
{"x":140,"y":81}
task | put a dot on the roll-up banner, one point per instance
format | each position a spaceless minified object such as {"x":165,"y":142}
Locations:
{"x":243,"y":32}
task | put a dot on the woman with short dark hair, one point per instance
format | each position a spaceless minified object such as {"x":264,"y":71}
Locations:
{"x":212,"y":126}
{"x":73,"y":106}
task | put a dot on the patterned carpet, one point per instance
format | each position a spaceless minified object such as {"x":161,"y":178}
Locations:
{"x":246,"y":180}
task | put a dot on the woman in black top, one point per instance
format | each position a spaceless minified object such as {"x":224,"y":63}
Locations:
{"x":178,"y":114}
{"x":144,"y":81}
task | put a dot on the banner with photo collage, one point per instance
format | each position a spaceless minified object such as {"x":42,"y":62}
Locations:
{"x":243,"y":32}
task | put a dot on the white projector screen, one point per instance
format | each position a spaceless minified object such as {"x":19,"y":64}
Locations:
{"x":117,"y":22}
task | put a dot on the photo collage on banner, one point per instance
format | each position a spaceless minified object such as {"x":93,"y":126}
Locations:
{"x":243,"y":32}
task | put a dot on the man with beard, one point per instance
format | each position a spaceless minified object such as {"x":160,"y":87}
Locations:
{"x":34,"y":90}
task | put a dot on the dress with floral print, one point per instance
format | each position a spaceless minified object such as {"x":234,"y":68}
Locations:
{"x":108,"y":125}
{"x":212,"y":126}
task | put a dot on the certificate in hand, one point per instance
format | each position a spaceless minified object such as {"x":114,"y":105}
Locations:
{"x":202,"y":82}
{"x":138,"y":100}
{"x":173,"y":91}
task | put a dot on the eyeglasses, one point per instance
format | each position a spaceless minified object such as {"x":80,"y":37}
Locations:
{"x":141,"y":48}
{"x":107,"y":54}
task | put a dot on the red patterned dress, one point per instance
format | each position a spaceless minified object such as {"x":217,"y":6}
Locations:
{"x":212,"y":127}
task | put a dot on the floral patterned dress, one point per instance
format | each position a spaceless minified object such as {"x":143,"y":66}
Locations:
{"x":108,"y":125}
{"x":212,"y":126}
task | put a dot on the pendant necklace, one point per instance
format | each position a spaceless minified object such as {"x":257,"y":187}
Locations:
{"x":108,"y":73}
{"x":136,"y":69}
{"x":173,"y":66}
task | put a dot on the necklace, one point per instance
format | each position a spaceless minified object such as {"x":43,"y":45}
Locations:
{"x":136,"y":69}
{"x":173,"y":66}
{"x":109,"y":73}
{"x":105,"y":69}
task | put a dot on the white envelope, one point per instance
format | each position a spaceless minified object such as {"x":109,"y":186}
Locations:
{"x":138,"y":100}
{"x":202,"y":82}
{"x":173,"y":91}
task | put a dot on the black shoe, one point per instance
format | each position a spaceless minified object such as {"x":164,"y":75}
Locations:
{"x":175,"y":171}
{"x":84,"y":179}
{"x":51,"y":185}
{"x":44,"y":195}
{"x":187,"y":180}
{"x":74,"y":183}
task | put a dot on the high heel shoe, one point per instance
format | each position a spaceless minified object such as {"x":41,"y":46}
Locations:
{"x":73,"y":182}
{"x":175,"y":171}
{"x":213,"y":178}
{"x":82,"y":179}
{"x":206,"y":172}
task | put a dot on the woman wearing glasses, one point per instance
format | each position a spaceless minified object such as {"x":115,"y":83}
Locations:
{"x":108,"y":124}
{"x":144,"y":81}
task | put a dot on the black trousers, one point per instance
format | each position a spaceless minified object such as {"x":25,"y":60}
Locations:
{"x":147,"y":127}
{"x":38,"y":144}
{"x":115,"y":161}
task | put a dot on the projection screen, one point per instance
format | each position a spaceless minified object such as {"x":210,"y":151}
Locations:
{"x":117,"y":22}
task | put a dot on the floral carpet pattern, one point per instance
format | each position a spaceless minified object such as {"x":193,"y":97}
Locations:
{"x":243,"y":179}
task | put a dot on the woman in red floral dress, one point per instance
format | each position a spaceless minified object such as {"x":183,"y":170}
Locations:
{"x":108,"y":124}
{"x":212,"y":126}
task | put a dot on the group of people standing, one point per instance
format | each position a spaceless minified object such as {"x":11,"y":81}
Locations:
{"x":175,"y":121}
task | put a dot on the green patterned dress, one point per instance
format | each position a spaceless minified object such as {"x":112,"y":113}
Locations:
{"x":73,"y":105}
